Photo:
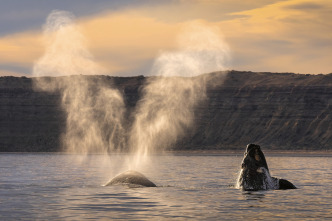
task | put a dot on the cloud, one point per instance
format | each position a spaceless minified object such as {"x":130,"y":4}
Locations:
{"x":18,"y":15}
{"x":121,"y":42}
{"x":305,"y":6}
{"x":128,"y":40}
{"x":20,"y":50}
{"x":279,"y":38}
{"x":263,"y":35}
{"x":209,"y":10}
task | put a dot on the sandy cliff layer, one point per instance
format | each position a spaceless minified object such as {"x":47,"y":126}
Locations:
{"x":278,"y":111}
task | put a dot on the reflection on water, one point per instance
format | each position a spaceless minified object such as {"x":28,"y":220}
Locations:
{"x":251,"y":195}
{"x":56,"y":186}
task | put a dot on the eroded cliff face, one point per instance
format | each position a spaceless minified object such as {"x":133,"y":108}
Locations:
{"x":277,"y":111}
{"x":29,"y":120}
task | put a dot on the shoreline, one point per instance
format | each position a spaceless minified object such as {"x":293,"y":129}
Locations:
{"x":273,"y":153}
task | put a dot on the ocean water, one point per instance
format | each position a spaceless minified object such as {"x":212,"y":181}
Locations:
{"x":191,"y":186}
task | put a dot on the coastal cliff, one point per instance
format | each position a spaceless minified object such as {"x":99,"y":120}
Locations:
{"x":281,"y":111}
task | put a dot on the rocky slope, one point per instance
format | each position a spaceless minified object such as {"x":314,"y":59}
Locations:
{"x":277,"y":111}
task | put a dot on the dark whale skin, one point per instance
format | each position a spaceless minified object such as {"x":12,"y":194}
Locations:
{"x":255,"y":174}
{"x":285,"y":184}
{"x":131,"y":178}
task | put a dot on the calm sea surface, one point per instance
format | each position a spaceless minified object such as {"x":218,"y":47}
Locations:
{"x":190,"y":186}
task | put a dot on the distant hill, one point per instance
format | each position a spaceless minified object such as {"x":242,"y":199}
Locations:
{"x":281,"y":111}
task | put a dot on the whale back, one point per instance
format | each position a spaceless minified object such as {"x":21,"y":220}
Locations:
{"x":131,"y":178}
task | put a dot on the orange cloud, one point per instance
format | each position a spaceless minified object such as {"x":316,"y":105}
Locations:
{"x":20,"y":49}
{"x":292,"y":35}
{"x":121,"y":42}
{"x":128,"y":39}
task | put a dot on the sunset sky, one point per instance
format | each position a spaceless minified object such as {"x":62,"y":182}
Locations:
{"x":126,"y":36}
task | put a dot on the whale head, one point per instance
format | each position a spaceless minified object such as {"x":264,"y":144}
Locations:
{"x":255,"y":173}
{"x":254,"y":158}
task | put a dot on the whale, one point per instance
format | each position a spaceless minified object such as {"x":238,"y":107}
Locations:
{"x":255,"y":175}
{"x":131,"y":178}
